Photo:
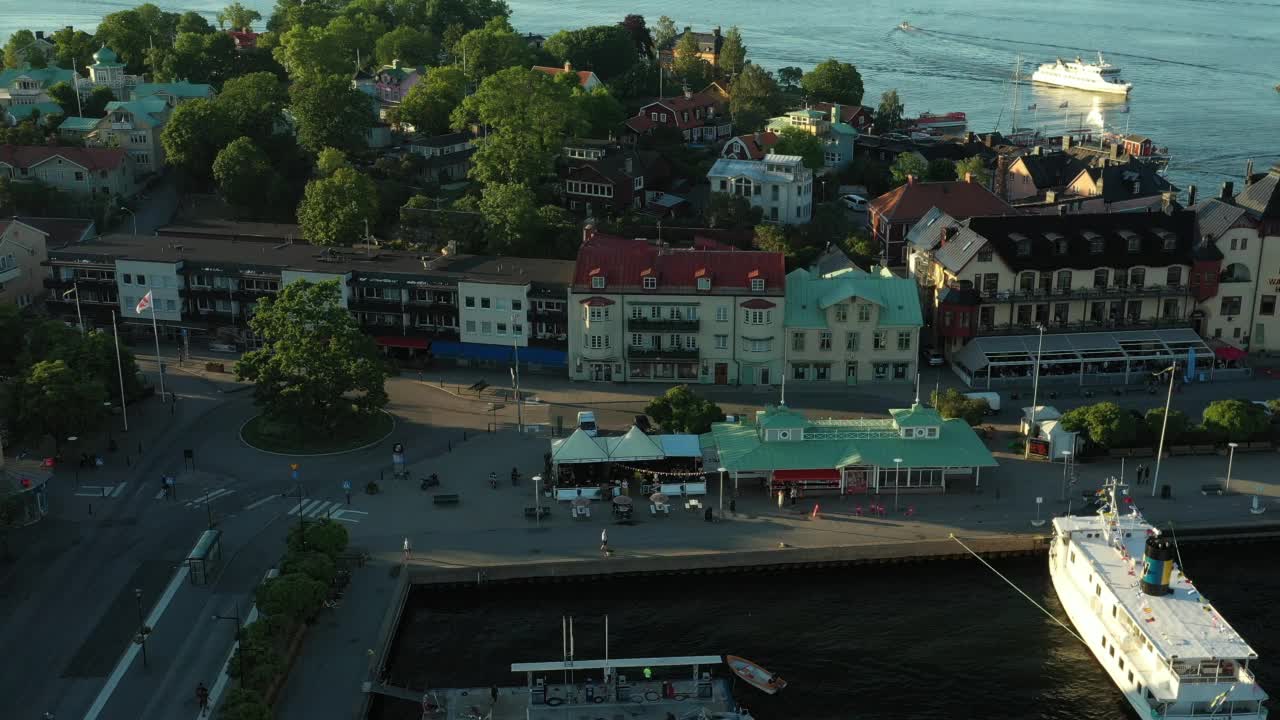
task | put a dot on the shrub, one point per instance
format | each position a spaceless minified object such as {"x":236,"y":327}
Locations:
{"x":315,"y":565}
{"x":952,"y":403}
{"x":325,"y":536}
{"x":1176,"y":429}
{"x":242,"y":704}
{"x":293,"y":597}
{"x":1239,"y":420}
{"x":1105,"y":424}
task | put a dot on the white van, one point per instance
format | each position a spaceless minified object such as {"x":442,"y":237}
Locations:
{"x":993,"y":399}
{"x":587,"y":422}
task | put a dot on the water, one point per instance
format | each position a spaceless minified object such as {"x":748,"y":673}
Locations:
{"x":938,"y":640}
{"x":1203,"y":70}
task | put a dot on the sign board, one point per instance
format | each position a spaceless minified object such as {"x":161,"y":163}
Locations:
{"x":346,"y":485}
{"x":1038,"y":446}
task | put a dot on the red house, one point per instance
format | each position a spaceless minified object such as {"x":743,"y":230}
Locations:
{"x":894,"y":213}
{"x":700,"y":117}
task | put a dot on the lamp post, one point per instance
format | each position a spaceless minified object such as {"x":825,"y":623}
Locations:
{"x":135,"y":220}
{"x":1066,"y":461}
{"x":208,"y":505}
{"x":111,"y":439}
{"x":1231,"y":456}
{"x":75,"y":290}
{"x":515,"y":370}
{"x":142,"y":626}
{"x":71,"y":439}
{"x":537,"y":498}
{"x":897,"y":475}
{"x":236,"y":618}
{"x":722,"y":472}
{"x":1164,"y":423}
{"x":1035,"y":392}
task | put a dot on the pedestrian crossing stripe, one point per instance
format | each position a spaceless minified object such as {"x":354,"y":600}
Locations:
{"x":208,"y":497}
{"x":101,"y":491}
{"x":328,"y":508}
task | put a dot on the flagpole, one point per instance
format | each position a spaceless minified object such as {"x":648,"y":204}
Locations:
{"x":124,"y":410}
{"x":155,"y":329}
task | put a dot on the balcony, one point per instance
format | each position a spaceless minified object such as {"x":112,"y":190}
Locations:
{"x":375,"y":304}
{"x":9,"y":274}
{"x":634,"y":353}
{"x":1080,"y":326}
{"x":1084,"y":293}
{"x":649,"y":325}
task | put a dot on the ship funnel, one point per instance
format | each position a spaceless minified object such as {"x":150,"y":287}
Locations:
{"x":1157,"y":566}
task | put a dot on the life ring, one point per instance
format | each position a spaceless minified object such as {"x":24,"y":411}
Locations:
{"x":555,"y":701}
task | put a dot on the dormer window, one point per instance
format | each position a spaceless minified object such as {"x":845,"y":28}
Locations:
{"x":1168,"y":240}
{"x":704,"y":283}
{"x":650,"y":282}
{"x":597,"y":282}
{"x":757,"y":284}
{"x":1024,"y":248}
{"x":1132,"y":241}
{"x":1095,"y":243}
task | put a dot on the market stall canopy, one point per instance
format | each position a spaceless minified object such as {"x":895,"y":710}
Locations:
{"x":577,"y":448}
{"x":680,"y":445}
{"x":633,"y":446}
{"x":1229,"y":353}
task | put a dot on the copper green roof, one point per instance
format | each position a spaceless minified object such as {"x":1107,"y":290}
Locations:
{"x":45,"y":76}
{"x":781,"y":417}
{"x":79,"y":124}
{"x":106,"y":57}
{"x":809,"y":296}
{"x":24,"y":112}
{"x":916,"y":416}
{"x":180,"y":89}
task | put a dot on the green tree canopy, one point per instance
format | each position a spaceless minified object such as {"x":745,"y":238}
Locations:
{"x":907,"y":165}
{"x":52,"y":399}
{"x":73,"y":49}
{"x":640,"y":35}
{"x":1178,"y":424}
{"x":797,"y":141}
{"x":973,"y":166}
{"x":197,"y":57}
{"x":293,"y":596}
{"x":309,"y":51}
{"x":334,"y":209}
{"x":96,"y":104}
{"x":409,"y":45}
{"x":17,"y":49}
{"x":196,"y":131}
{"x":489,"y":49}
{"x":129,"y":33}
{"x":889,"y":113}
{"x":687,"y":65}
{"x":1105,"y":424}
{"x":608,"y":50}
{"x":940,"y":170}
{"x":951,"y":403}
{"x":755,"y":98}
{"x":193,"y":22}
{"x":773,"y":238}
{"x":680,"y":410}
{"x":510,"y":213}
{"x":790,"y":77}
{"x":327,"y":537}
{"x":330,"y":161}
{"x":253,"y":104}
{"x":1239,"y":420}
{"x":731,"y":211}
{"x":238,"y":17}
{"x":600,"y":113}
{"x":833,"y":81}
{"x":733,"y":53}
{"x":315,"y":368}
{"x":664,"y":33}
{"x":330,"y":113}
{"x":61,"y":93}
{"x":429,"y":103}
{"x":244,"y":175}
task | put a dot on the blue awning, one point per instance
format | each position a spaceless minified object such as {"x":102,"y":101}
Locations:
{"x":498,"y":353}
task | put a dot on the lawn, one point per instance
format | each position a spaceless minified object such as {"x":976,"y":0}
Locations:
{"x":269,"y":434}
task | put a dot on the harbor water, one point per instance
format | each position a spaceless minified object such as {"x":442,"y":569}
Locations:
{"x":945,"y":639}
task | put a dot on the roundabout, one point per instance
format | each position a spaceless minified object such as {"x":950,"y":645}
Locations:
{"x":357,"y":433}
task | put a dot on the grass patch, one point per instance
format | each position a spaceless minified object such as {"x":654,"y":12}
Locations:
{"x":265,"y":433}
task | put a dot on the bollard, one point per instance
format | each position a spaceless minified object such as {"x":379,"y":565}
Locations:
{"x":450,"y":446}
{"x":90,"y":509}
{"x":464,"y":436}
{"x":126,"y":461}
{"x":815,"y":513}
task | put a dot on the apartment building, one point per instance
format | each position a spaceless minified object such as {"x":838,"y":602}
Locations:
{"x":780,"y":185}
{"x":837,"y":136}
{"x":894,"y":213}
{"x":22,"y":250}
{"x":642,"y":311}
{"x":852,"y":327}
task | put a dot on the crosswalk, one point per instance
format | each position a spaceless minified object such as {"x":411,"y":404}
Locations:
{"x":331,"y":509}
{"x":102,"y":491}
{"x":208,"y":497}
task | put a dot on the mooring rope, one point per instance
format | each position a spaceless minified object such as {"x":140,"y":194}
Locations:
{"x":1031,"y":600}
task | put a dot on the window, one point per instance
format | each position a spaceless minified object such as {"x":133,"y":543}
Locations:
{"x":650,"y":282}
{"x":1134,"y":244}
{"x":1173,"y":277}
{"x":598,"y":313}
{"x":637,"y":312}
{"x":851,"y":341}
{"x":799,"y":372}
{"x":900,"y":371}
{"x":690,"y":342}
{"x":1268,"y":305}
{"x":1061,"y":313}
{"x":878,"y":340}
{"x":842,"y":313}
{"x":469,"y":302}
{"x":880,"y":371}
{"x":126,"y":279}
{"x":501,"y":328}
{"x":168,"y":305}
{"x":1064,"y":280}
{"x":722,"y":314}
{"x":597,"y":282}
{"x":598,"y":342}
{"x":722,"y":342}
{"x":486,"y":327}
{"x":904,"y":339}
{"x":822,"y":372}
{"x":1027,"y":282}
{"x":797,"y":341}
{"x":1060,"y":246}
{"x":79,"y":176}
{"x":1138,"y":277}
{"x":704,"y":283}
{"x":1230,"y":305}
{"x":517,"y":330}
{"x":756,"y":317}
{"x":499,"y":304}
{"x":759,"y":346}
{"x":757,"y":284}
{"x":517,"y":304}
{"x":984,"y":255}
{"x":142,"y":280}
{"x":655,"y":312}
{"x":824,"y":340}
{"x":485,"y":303}
{"x":864,"y":313}
{"x":1024,"y":248}
{"x":673,"y":342}
{"x":1095,"y":244}
{"x":637,"y":340}
{"x":1244,"y":243}
{"x":675,"y":312}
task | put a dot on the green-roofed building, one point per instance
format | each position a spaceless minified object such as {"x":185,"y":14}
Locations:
{"x":851,"y":327}
{"x":837,"y":137}
{"x":173,"y":93}
{"x":78,"y":127}
{"x":915,"y":448}
{"x":44,"y":110}
{"x":108,"y":71}
{"x":30,"y":86}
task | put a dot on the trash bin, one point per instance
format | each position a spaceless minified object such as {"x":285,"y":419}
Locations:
{"x":1165,"y":492}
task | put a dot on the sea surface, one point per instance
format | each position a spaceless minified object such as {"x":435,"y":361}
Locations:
{"x":1204,"y":71}
{"x":946,"y":639}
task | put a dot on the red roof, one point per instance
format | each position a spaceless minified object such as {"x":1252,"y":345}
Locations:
{"x":758,"y":144}
{"x":957,"y":198}
{"x":584,"y":76}
{"x":677,"y":105}
{"x":859,"y":116}
{"x":623,"y":262}
{"x":61,"y":231}
{"x":244,"y":40}
{"x":25,"y":156}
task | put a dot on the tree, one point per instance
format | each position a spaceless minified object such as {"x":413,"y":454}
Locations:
{"x":1105,"y":424}
{"x":687,"y":65}
{"x":330,"y":113}
{"x":1239,"y":420}
{"x":1178,"y":424}
{"x":73,"y":48}
{"x":61,"y":93}
{"x":243,"y":174}
{"x":55,"y":400}
{"x":664,"y":33}
{"x":334,"y":209}
{"x":293,"y":596}
{"x":432,"y":100}
{"x":797,"y":141}
{"x":940,"y":170}
{"x":733,"y":53}
{"x":973,"y":167}
{"x":790,"y":77}
{"x":315,"y":369}
{"x":907,"y":164}
{"x":772,"y":238}
{"x":680,"y":410}
{"x":253,"y":103}
{"x":17,"y":49}
{"x":193,"y":22}
{"x":129,"y":33}
{"x":355,"y":33}
{"x":330,"y":161}
{"x":600,"y":113}
{"x":238,"y":17}
{"x":411,"y":46}
{"x":833,"y":81}
{"x":951,"y":403}
{"x":196,"y":131}
{"x":640,"y":35}
{"x":492,"y":48}
{"x":327,"y":537}
{"x":731,"y":211}
{"x":510,"y":213}
{"x":525,"y":112}
{"x":608,"y":50}
{"x":861,"y":245}
{"x":197,"y":57}
{"x":96,"y":104}
{"x":308,"y":51}
{"x":889,"y":113}
{"x":755,"y":98}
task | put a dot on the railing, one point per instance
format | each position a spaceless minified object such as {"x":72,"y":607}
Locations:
{"x":1114,"y":292}
{"x":661,"y":354}
{"x":651,"y":325}
{"x":1082,"y":326}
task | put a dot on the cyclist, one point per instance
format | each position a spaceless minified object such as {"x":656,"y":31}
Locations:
{"x":202,"y":698}
{"x":493,"y":480}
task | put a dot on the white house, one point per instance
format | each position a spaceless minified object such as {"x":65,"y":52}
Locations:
{"x":780,"y":185}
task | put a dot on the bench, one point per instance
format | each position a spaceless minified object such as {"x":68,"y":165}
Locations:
{"x":446,"y":499}
{"x":571,"y":494}
{"x":533,"y":512}
{"x":692,"y":504}
{"x":1261,"y":446}
{"x":1211,"y":489}
{"x":581,"y":511}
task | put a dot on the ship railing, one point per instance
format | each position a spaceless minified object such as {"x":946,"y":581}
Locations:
{"x":1241,"y":709}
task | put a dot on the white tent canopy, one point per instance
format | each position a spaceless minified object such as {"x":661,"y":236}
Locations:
{"x":633,"y":446}
{"x":680,"y":446}
{"x":577,"y":448}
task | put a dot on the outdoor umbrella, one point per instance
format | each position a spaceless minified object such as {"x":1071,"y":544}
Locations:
{"x":658,"y":498}
{"x":622,"y":500}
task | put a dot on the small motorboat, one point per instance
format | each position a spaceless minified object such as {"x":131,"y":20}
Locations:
{"x":905,"y":26}
{"x":755,"y":675}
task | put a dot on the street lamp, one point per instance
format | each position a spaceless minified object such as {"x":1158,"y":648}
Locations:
{"x":722,"y":472}
{"x":897,"y":470}
{"x":135,"y":220}
{"x":515,"y":369}
{"x":71,"y":439}
{"x":1164,"y":423}
{"x":75,"y":290}
{"x":111,"y":439}
{"x":208,"y":506}
{"x":1035,"y":391}
{"x":1066,"y":461}
{"x":236,"y":618}
{"x":537,"y":498}
{"x":1231,"y":456}
{"x":142,"y":626}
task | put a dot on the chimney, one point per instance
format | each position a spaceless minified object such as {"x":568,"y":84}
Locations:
{"x":1002,"y":176}
{"x":1168,"y":201}
{"x":1228,"y":191}
{"x":395,"y":64}
{"x":1137,"y":187}
{"x":716,"y":31}
{"x":39,"y":34}
{"x":949,"y":233}
{"x":628,"y":165}
{"x":1191,"y":195}
{"x":1067,"y":142}
{"x":688,"y":94}
{"x":688,"y":29}
{"x":1062,"y":209}
{"x":568,"y":66}
{"x":1035,"y":151}
{"x":968,"y":177}
{"x":1248,"y":166}
{"x":588,"y":232}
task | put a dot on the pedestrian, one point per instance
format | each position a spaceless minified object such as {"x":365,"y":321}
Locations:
{"x":408,"y":550}
{"x":202,"y":698}
{"x":346,"y":488}
{"x":792,"y":492}
{"x":1146,"y":474}
{"x":626,"y":487}
{"x":604,"y":541}
{"x":493,"y":694}
{"x":779,"y":499}
{"x":1138,"y":481}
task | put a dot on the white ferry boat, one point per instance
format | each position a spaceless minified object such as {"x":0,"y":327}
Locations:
{"x":1081,"y":75}
{"x":1169,"y":651}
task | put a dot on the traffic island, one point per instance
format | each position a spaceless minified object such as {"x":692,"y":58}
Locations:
{"x":356,"y":432}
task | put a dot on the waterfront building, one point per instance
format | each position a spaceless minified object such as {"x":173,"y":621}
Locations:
{"x":27,"y":86}
{"x":851,"y":327}
{"x":88,"y":172}
{"x":859,"y":117}
{"x":700,"y":117}
{"x":837,"y":137}
{"x":587,"y":80}
{"x":894,"y":213}
{"x":448,"y":156}
{"x":913,"y":451}
{"x":780,"y":185}
{"x":640,"y":310}
{"x":709,"y":45}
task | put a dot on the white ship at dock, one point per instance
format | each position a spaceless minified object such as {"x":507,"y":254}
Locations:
{"x":1101,"y":76}
{"x":1164,"y":645}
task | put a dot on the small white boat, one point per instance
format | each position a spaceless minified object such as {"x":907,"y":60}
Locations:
{"x":755,"y":675}
{"x":904,"y":25}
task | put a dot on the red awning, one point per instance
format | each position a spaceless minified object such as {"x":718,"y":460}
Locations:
{"x":758,"y":304}
{"x":398,"y":341}
{"x":1227,"y":352}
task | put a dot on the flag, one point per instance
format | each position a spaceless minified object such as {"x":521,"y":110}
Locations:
{"x":1032,"y":106}
{"x":144,"y":303}
{"x":1064,"y":104}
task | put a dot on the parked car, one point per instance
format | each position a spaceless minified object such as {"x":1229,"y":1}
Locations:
{"x":587,"y":422}
{"x":932,"y":357}
{"x":855,"y":202}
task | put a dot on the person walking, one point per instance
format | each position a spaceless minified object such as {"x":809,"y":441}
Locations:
{"x":1138,"y":472}
{"x":202,"y":698}
{"x":493,"y":694}
{"x":793,"y":494}
{"x":408,"y":550}
{"x":1146,"y":474}
{"x":779,"y":499}
{"x":604,"y":542}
